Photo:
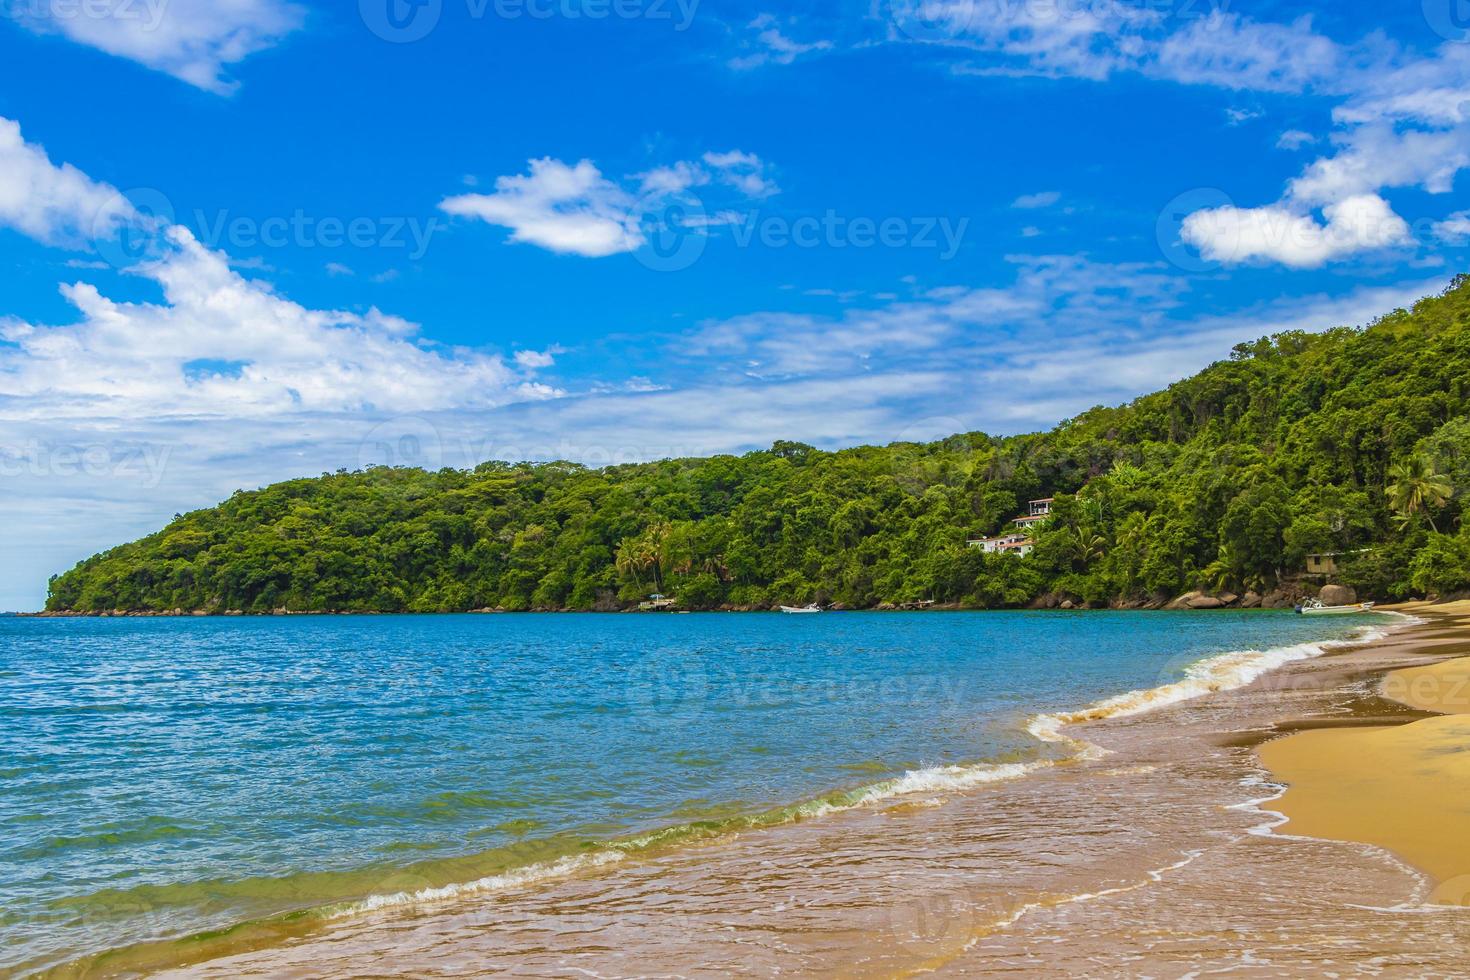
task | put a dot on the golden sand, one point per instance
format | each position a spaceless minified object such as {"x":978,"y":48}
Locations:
{"x":1404,"y":788}
{"x":1443,"y":687}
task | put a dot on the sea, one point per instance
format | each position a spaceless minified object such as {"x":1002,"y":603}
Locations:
{"x":166,"y":779}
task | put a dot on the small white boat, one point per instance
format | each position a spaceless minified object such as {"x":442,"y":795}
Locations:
{"x":812,"y":608}
{"x":1314,"y":607}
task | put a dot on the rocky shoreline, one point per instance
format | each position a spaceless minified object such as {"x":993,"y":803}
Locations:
{"x":1280,"y":598}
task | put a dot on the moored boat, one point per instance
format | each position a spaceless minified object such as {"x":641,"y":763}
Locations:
{"x":1314,"y":607}
{"x":811,"y":608}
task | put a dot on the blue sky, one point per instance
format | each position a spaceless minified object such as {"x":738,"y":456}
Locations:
{"x":253,"y":239}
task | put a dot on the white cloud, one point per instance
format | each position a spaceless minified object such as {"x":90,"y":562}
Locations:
{"x":770,"y":46}
{"x":222,"y":345}
{"x":1041,"y":199}
{"x":1379,"y":155}
{"x":58,"y":205}
{"x":338,"y":269}
{"x":1233,"y":235}
{"x":576,"y":210}
{"x":193,"y":40}
{"x":1454,"y":229}
{"x":1229,"y":51}
{"x":746,"y":172}
{"x":533,"y":360}
{"x":1237,"y":116}
{"x":566,"y":209}
{"x":1294,"y":139}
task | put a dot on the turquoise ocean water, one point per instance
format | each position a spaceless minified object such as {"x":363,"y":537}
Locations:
{"x":163,"y":777}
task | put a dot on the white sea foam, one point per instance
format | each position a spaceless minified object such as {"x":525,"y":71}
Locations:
{"x":952,"y":778}
{"x":529,"y":875}
{"x":1223,"y":672}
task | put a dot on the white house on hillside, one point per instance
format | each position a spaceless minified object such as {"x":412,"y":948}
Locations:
{"x":1037,"y":511}
{"x":1017,"y":544}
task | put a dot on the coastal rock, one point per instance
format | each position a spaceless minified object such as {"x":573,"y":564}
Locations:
{"x":1202,"y":600}
{"x":1067,"y":604}
{"x":1251,"y":600}
{"x":1338,"y":595}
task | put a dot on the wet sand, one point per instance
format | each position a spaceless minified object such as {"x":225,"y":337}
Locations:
{"x":1405,"y":788}
{"x":1161,"y":857}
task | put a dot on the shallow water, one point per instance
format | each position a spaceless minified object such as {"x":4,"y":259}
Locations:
{"x":166,"y":776}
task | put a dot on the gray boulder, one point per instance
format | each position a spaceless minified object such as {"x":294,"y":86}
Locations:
{"x":1337,"y":595}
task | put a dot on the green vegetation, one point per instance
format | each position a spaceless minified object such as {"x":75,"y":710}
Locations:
{"x":1353,"y":441}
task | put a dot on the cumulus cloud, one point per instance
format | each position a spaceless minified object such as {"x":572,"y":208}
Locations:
{"x":223,"y":345}
{"x":567,"y":209}
{"x":58,"y":205}
{"x":576,"y":210}
{"x":192,"y":40}
{"x":1233,"y":235}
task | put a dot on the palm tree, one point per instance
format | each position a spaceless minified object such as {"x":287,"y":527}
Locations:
{"x":1086,"y":546}
{"x":628,"y":560}
{"x":1220,"y":572}
{"x":1417,"y":489}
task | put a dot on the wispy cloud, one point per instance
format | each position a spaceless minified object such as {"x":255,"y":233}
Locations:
{"x":767,"y":44}
{"x":192,"y":40}
{"x":1041,"y":199}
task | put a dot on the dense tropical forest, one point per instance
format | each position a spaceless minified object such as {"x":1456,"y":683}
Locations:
{"x":1354,"y":441}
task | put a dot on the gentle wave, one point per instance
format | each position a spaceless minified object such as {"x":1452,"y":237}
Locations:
{"x":1222,"y":672}
{"x":530,"y":875}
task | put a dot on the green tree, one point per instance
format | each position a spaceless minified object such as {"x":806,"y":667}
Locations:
{"x":1417,"y":489}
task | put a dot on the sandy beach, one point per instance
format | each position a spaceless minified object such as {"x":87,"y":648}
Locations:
{"x":1169,"y":851}
{"x":1406,"y":787}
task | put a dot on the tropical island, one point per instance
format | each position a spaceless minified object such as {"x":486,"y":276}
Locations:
{"x":1346,"y":451}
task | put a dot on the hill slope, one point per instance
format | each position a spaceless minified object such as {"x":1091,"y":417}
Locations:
{"x":1227,"y":478}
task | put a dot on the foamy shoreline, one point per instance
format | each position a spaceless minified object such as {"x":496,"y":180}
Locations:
{"x":1219,"y":673}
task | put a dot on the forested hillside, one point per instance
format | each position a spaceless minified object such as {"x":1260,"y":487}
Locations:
{"x":1302,"y":443}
